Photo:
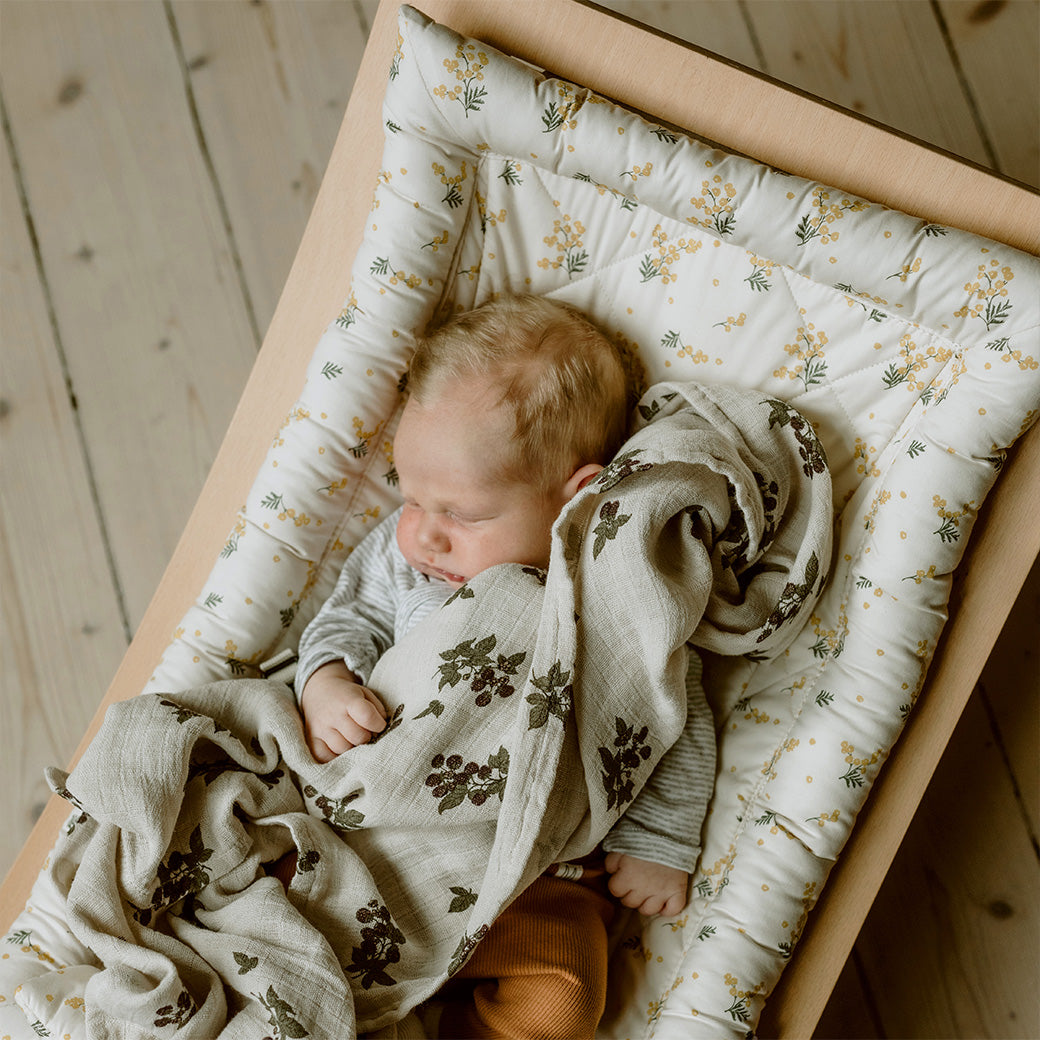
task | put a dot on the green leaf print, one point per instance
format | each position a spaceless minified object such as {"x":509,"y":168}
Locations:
{"x":610,"y":522}
{"x":180,"y":877}
{"x":282,"y":1015}
{"x":553,"y":697}
{"x":630,"y":750}
{"x":335,"y":811}
{"x":471,"y":662}
{"x":176,"y":1015}
{"x":454,"y":781}
{"x":464,"y":899}
{"x":381,"y":942}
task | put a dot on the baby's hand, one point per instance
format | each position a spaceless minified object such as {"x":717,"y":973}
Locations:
{"x":650,"y":888}
{"x":338,"y":712}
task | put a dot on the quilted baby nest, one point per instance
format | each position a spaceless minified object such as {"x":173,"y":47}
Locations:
{"x":910,"y":348}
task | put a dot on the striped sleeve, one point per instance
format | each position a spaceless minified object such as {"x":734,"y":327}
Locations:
{"x":356,"y":623}
{"x":663,"y":823}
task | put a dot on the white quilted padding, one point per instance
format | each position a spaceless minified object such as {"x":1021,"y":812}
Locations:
{"x":911,"y":348}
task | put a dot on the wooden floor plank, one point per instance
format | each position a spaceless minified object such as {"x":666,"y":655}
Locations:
{"x":885,"y":59}
{"x":717,"y":25}
{"x":996,"y":44}
{"x":144,"y":286}
{"x":951,"y":945}
{"x":849,"y":1014}
{"x":62,"y":631}
{"x":271,"y":82}
{"x":1011,"y":686}
{"x":160,"y":338}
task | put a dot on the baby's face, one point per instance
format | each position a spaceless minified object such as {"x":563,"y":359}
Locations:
{"x":460,"y":517}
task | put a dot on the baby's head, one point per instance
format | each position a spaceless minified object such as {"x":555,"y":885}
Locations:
{"x":513,"y":408}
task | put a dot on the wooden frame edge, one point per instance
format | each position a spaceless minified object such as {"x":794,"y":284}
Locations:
{"x":925,"y":182}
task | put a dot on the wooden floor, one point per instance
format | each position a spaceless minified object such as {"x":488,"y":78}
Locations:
{"x":159,"y":163}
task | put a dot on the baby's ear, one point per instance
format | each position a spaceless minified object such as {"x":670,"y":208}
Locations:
{"x":581,"y":476}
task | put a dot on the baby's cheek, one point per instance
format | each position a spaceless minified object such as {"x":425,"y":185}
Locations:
{"x":405,"y":535}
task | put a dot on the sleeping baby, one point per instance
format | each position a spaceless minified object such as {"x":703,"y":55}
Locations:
{"x":513,"y":408}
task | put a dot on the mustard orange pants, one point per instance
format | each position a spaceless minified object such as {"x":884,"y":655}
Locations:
{"x":540,"y":973}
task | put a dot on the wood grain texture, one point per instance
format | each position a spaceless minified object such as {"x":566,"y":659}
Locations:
{"x":63,"y":629}
{"x":270,"y":83}
{"x":215,"y":155}
{"x":132,"y":246}
{"x":995,"y":45}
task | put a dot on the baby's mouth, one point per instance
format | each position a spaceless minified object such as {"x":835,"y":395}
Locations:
{"x":451,"y":579}
{"x":436,"y":572}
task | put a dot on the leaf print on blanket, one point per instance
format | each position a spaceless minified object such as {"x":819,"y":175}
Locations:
{"x":381,"y":942}
{"x":178,"y":1014}
{"x":630,"y":752}
{"x":623,"y":465}
{"x":554,"y":696}
{"x":470,"y":661}
{"x":610,"y":522}
{"x":212,"y":769}
{"x":454,"y":781}
{"x":810,"y":449}
{"x":791,"y":599}
{"x":181,"y":876}
{"x":282,"y":1013}
{"x":335,"y":810}
{"x":463,"y":899}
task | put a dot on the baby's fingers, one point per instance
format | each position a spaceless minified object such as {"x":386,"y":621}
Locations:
{"x":368,"y":713}
{"x":675,"y":904}
{"x":320,"y":751}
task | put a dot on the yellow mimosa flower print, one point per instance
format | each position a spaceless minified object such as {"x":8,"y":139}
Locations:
{"x":350,"y":311}
{"x":807,"y":350}
{"x":819,"y":222}
{"x":907,"y":269}
{"x":863,"y":452}
{"x":673,"y":341}
{"x":716,"y":202}
{"x":383,"y":267}
{"x":453,"y":197}
{"x":987,"y":295}
{"x":829,"y":642}
{"x":489,"y":217}
{"x":566,"y":240}
{"x":949,"y":529}
{"x":1003,"y":347}
{"x":638,"y":171}
{"x":468,"y":67}
{"x":561,"y":114}
{"x":668,"y":254}
{"x":870,"y":520}
{"x":855,"y":775}
{"x":762,"y":271}
{"x":395,"y":63}
{"x":740,"y":1009}
{"x":769,"y":768}
{"x":360,"y":449}
{"x":731,"y":322}
{"x":231,"y":545}
{"x":296,"y":414}
{"x":914,"y":364}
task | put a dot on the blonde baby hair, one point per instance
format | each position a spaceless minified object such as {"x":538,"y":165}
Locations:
{"x":562,"y":378}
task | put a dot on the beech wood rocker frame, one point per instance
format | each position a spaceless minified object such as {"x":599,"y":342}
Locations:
{"x":744,"y":112}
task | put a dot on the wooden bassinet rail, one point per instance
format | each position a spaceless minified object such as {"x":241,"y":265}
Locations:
{"x":747,"y":113}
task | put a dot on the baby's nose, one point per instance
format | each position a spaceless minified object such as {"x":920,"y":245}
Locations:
{"x":432,"y":536}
